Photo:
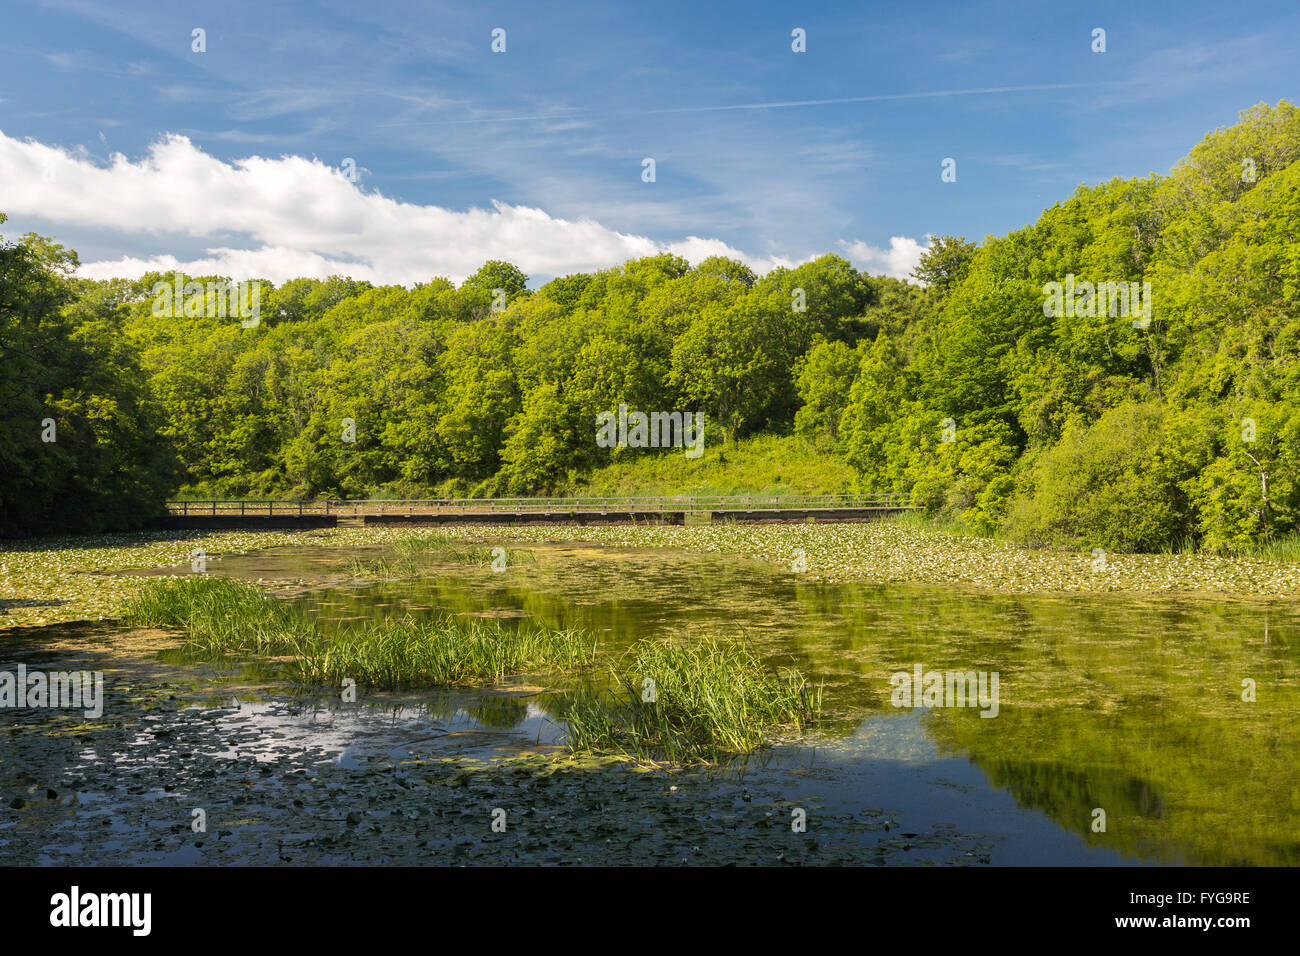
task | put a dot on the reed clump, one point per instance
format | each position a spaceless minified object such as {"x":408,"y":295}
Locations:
{"x":221,"y":616}
{"x":682,"y":702}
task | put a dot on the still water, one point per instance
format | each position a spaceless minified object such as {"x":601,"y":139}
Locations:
{"x":1128,"y":706}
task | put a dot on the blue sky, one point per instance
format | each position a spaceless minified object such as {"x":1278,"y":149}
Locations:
{"x":123,"y":142}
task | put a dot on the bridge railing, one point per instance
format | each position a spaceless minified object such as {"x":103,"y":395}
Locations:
{"x":284,"y":507}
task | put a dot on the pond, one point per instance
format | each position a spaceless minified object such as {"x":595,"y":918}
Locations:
{"x":1115,"y":709}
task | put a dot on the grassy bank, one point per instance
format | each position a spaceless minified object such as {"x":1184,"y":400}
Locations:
{"x":763,"y":464}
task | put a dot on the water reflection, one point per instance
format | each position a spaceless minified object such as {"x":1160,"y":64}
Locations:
{"x":1132,"y":705}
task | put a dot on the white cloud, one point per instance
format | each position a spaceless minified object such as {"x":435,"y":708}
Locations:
{"x":276,"y":263}
{"x":295,"y":217}
{"x":898,"y":261}
{"x":695,"y":250}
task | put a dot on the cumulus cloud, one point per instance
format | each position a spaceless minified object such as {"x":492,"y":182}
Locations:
{"x":898,"y":261}
{"x":289,"y":217}
{"x":695,"y":250}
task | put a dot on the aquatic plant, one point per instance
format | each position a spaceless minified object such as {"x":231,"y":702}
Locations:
{"x":56,"y":580}
{"x":690,"y":702}
{"x":179,"y":601}
{"x":414,"y":554}
{"x":442,"y":651}
{"x":1284,"y":549}
{"x":227,"y":617}
{"x":908,"y":551}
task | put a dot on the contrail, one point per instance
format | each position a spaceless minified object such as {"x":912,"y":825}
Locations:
{"x":572,"y":112}
{"x":786,"y":104}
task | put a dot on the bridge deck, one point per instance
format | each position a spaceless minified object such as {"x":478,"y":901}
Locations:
{"x":266,"y":513}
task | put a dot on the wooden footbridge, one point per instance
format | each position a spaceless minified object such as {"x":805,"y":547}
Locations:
{"x":680,"y":509}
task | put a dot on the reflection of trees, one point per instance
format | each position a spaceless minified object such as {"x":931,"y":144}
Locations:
{"x":499,"y":712}
{"x":1126,"y":703}
{"x":1123,"y":702}
{"x":1179,"y":784}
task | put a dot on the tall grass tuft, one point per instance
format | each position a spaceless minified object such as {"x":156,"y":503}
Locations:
{"x":1282,"y":548}
{"x":694,"y":702}
{"x":415,"y":652}
{"x":176,"y":602}
{"x":222,"y":616}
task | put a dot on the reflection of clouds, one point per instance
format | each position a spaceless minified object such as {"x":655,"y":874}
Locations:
{"x":346,"y":735}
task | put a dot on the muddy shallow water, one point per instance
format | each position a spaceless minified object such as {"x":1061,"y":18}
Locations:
{"x":1125,"y":704}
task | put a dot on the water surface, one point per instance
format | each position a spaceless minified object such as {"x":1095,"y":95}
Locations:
{"x":1132,"y":705}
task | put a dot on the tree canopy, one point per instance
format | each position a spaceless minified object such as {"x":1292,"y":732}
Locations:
{"x":961,"y":389}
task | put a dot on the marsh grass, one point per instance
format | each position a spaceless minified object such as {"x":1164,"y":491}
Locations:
{"x":1184,"y":545}
{"x":412,"y":556}
{"x":178,"y":602}
{"x":1284,"y":549}
{"x":936,"y":522}
{"x":226,"y":617}
{"x":416,"y":652}
{"x":712,"y":699}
